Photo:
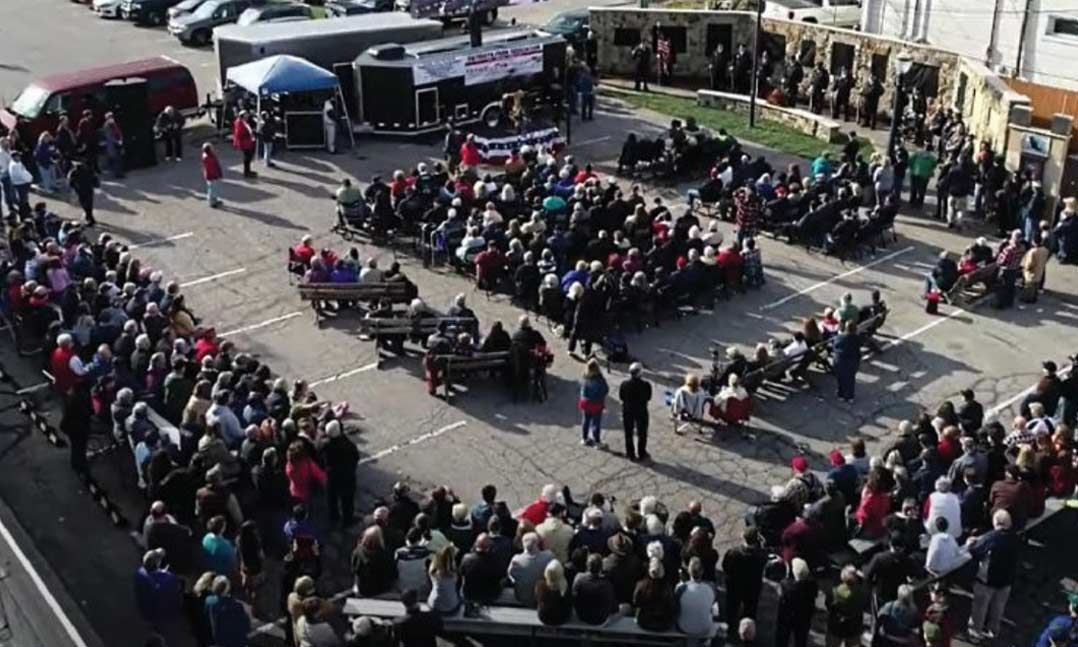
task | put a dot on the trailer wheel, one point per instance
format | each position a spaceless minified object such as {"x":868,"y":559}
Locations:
{"x":491,"y":16}
{"x":492,"y":115}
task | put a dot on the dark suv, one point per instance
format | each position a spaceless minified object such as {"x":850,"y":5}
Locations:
{"x":340,"y":8}
{"x":147,"y":12}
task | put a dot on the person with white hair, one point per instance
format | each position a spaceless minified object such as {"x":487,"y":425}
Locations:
{"x":536,"y":512}
{"x":635,"y":394}
{"x":898,"y":621}
{"x":67,"y":368}
{"x":997,"y":552}
{"x":797,"y":604}
{"x":592,"y":534}
{"x":527,"y":568}
{"x":689,"y":405}
{"x":653,"y":599}
{"x":944,"y":503}
{"x":341,"y":458}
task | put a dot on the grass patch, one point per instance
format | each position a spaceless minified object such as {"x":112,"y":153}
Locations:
{"x":767,"y":133}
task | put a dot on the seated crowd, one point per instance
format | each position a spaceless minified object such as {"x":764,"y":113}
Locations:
{"x":1014,"y":261}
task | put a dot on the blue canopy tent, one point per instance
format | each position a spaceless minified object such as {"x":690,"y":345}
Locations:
{"x":283,"y":74}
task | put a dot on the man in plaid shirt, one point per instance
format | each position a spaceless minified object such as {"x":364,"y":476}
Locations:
{"x":1011,"y":255}
{"x":746,"y":213}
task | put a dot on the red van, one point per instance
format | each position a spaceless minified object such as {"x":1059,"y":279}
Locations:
{"x":39,"y":106}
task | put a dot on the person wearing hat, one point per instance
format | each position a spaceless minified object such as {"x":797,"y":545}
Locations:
{"x":1062,"y":630}
{"x":622,"y":567}
{"x":635,"y":394}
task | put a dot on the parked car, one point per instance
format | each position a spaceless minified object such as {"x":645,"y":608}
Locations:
{"x":147,"y":12}
{"x":39,"y":106}
{"x":196,"y":28}
{"x":341,"y":8}
{"x":275,"y":13}
{"x":836,"y":13}
{"x":182,"y":7}
{"x":449,"y":10}
{"x":106,"y":8}
{"x":571,"y":25}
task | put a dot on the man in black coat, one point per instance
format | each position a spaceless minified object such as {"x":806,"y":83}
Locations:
{"x":635,"y":393}
{"x":341,"y":458}
{"x":743,"y":567}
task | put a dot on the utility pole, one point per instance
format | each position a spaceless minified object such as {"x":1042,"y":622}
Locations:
{"x":755,"y":63}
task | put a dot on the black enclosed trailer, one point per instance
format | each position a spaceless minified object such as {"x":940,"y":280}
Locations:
{"x":415,"y":89}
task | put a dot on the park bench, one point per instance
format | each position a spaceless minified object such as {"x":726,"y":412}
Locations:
{"x":960,"y":292}
{"x":524,"y":623}
{"x":393,"y":291}
{"x":461,"y":365}
{"x":377,"y":328}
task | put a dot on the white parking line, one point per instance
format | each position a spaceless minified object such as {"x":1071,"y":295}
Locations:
{"x":415,"y":441}
{"x":928,"y":326}
{"x":589,"y":142}
{"x":341,"y":376}
{"x":268,"y":322}
{"x":31,"y":389}
{"x":39,"y":584}
{"x":161,"y":241}
{"x":813,"y":288}
{"x":208,"y":279}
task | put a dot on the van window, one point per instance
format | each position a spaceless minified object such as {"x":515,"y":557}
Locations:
{"x":30,"y":101}
{"x":57,"y":103}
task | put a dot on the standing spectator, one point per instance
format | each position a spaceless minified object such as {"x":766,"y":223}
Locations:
{"x":1012,"y":495}
{"x":229,"y":623}
{"x":797,"y":603}
{"x":943,"y":554}
{"x":695,"y":599}
{"x":243,"y":139}
{"x":20,"y":179}
{"x":268,"y":132}
{"x":746,"y":213}
{"x":846,"y":606}
{"x":46,"y":158}
{"x":527,"y":568}
{"x":997,"y":554}
{"x":158,"y":591}
{"x":635,"y":393}
{"x":641,"y":55}
{"x":82,"y":180}
{"x":416,"y":628}
{"x":585,"y":84}
{"x":113,"y":137}
{"x":898,"y":621}
{"x":329,"y":123}
{"x":743,"y":567}
{"x":304,"y":474}
{"x":169,"y":128}
{"x":921,"y":167}
{"x":592,"y":403}
{"x":211,"y":173}
{"x":252,"y":559}
{"x":341,"y":458}
{"x":1062,"y":628}
{"x":218,"y":554}
{"x":887,"y":571}
{"x":847,"y":360}
{"x":593,"y":595}
{"x":944,"y":503}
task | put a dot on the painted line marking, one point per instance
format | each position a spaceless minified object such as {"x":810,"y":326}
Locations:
{"x":161,"y":241}
{"x":341,"y":376}
{"x":415,"y":441}
{"x":268,"y":322}
{"x":31,"y":389}
{"x":57,"y":610}
{"x":813,"y":288}
{"x":928,"y":326}
{"x":208,"y":279}
{"x":589,"y":142}
{"x":1006,"y":404}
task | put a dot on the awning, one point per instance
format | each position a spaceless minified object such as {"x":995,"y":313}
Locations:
{"x":280,"y":75}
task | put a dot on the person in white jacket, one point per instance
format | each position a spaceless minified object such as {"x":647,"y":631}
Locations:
{"x":20,"y":179}
{"x":944,"y":503}
{"x":690,"y":403}
{"x":944,"y":554}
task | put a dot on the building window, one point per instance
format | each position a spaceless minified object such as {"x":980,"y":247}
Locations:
{"x":625,"y":37}
{"x":1067,"y":27}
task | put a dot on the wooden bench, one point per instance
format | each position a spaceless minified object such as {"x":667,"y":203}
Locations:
{"x":393,"y":291}
{"x":525,"y":623}
{"x":376,"y":328}
{"x":451,"y":365}
{"x":982,"y":275}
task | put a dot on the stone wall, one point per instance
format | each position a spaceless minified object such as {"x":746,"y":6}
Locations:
{"x":805,"y":121}
{"x":613,"y":26}
{"x":986,"y":102}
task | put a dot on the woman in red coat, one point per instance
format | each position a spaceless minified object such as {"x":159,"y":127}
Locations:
{"x":243,"y":138}
{"x":211,"y":172}
{"x":469,"y":153}
{"x":874,"y":508}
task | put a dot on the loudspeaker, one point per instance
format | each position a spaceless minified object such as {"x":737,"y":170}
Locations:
{"x":129,"y":102}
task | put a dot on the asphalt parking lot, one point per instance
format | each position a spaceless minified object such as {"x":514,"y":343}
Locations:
{"x":232,"y":261}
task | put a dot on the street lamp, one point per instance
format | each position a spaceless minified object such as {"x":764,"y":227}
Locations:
{"x":903,"y":64}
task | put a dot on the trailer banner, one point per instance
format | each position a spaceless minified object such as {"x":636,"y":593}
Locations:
{"x":484,"y":67}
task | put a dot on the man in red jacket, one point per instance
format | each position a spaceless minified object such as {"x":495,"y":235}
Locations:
{"x":469,"y":153}
{"x":67,"y":369}
{"x":243,"y":138}
{"x":211,"y":172}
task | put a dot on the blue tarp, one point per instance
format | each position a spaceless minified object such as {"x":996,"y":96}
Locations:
{"x":281,"y":74}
